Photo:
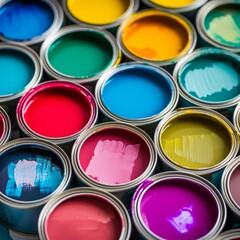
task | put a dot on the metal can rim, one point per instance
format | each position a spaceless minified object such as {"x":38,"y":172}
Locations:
{"x":229,"y":234}
{"x":7,"y":126}
{"x":236,"y":116}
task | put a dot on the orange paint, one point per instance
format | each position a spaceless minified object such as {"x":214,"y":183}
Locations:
{"x":156,"y":36}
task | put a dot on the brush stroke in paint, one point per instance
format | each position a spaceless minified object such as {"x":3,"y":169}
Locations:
{"x":84,"y":217}
{"x":211,"y":78}
{"x":173,"y":3}
{"x":97,"y":12}
{"x":25,"y":20}
{"x":222,"y":24}
{"x":195,"y":142}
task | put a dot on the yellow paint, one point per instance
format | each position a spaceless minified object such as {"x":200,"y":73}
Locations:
{"x":195,"y":142}
{"x":98,"y":12}
{"x":156,"y":36}
{"x":173,"y":3}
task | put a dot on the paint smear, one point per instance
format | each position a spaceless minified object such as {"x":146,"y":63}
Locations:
{"x":173,"y":3}
{"x":27,"y":175}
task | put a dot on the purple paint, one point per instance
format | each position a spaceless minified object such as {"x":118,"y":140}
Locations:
{"x":177,"y":208}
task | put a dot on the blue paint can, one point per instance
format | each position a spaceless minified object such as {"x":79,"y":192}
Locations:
{"x":32,"y":172}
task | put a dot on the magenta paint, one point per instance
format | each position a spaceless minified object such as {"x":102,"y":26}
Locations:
{"x":178,"y":206}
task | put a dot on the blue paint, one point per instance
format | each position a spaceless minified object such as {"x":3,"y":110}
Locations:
{"x":25,"y":20}
{"x":137,"y":92}
{"x":29,"y":173}
{"x":16,"y":71}
{"x":211,"y":77}
{"x":4,"y":233}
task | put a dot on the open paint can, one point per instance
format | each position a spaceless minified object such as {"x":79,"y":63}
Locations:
{"x":5,"y":127}
{"x":84,"y":213}
{"x":32,"y":172}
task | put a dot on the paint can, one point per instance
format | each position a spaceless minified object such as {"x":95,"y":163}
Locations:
{"x":136,"y":93}
{"x":20,"y":70}
{"x":29,"y":22}
{"x":84,"y":213}
{"x":230,"y":190}
{"x":102,"y":14}
{"x":115,"y":157}
{"x":157,"y":37}
{"x":5,"y":127}
{"x":218,"y":24}
{"x":233,"y":234}
{"x":236,"y":118}
{"x":79,"y":54}
{"x":32,"y":172}
{"x":57,"y":111}
{"x":196,"y":140}
{"x":209,"y":77}
{"x":178,"y":205}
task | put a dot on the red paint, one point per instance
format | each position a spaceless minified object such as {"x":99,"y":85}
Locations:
{"x":57,"y":109}
{"x":2,"y":126}
{"x":125,"y":137}
{"x":83,"y":217}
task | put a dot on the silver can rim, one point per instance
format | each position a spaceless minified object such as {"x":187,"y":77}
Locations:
{"x":229,"y":234}
{"x":7,"y":127}
{"x":236,"y":117}
{"x":67,"y":173}
{"x":78,"y":191}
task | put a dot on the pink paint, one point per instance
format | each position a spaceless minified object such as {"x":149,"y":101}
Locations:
{"x":114,"y":156}
{"x":2,"y":126}
{"x":57,"y":109}
{"x":83,"y":217}
{"x":234,"y":185}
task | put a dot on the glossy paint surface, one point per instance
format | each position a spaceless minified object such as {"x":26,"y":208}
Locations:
{"x":173,"y":3}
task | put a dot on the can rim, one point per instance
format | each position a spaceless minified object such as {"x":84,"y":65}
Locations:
{"x":228,"y":234}
{"x":7,"y":126}
{"x":236,"y":117}
{"x":78,"y":191}
{"x":116,"y":57}
{"x":66,"y":173}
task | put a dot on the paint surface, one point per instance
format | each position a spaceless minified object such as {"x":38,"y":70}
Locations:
{"x":98,"y":12}
{"x":195,"y":142}
{"x":25,"y":20}
{"x":80,"y":54}
{"x":139,"y":36}
{"x":29,"y":172}
{"x":2,"y":126}
{"x":178,"y":209}
{"x":13,"y":82}
{"x":114,"y":156}
{"x":222,"y":24}
{"x":57,"y":110}
{"x":234,"y":185}
{"x":4,"y":233}
{"x":174,"y":3}
{"x":136,"y":92}
{"x":211,"y":78}
{"x":84,"y":217}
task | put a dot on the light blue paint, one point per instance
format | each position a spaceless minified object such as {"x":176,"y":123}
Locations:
{"x":25,"y":20}
{"x":137,"y":92}
{"x":16,"y":71}
{"x":211,"y":77}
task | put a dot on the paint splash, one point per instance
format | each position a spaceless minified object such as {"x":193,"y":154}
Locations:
{"x":27,"y":175}
{"x":113,"y":162}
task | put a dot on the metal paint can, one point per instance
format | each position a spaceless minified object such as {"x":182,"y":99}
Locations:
{"x":105,"y":14}
{"x":157,"y":37}
{"x":209,"y":77}
{"x":236,"y":117}
{"x":84,"y":213}
{"x":29,"y":22}
{"x":178,"y":205}
{"x":218,"y":24}
{"x":79,"y":54}
{"x":233,"y":234}
{"x":21,"y":70}
{"x":57,"y":111}
{"x":32,"y":172}
{"x":197,"y":140}
{"x":115,"y":157}
{"x":5,"y":127}
{"x":136,"y":93}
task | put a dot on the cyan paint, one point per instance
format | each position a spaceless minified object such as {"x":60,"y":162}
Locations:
{"x":137,"y":92}
{"x":29,"y":173}
{"x":16,"y":71}
{"x":23,"y":20}
{"x":211,"y":77}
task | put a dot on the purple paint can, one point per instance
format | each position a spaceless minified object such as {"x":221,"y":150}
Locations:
{"x":5,"y":126}
{"x":178,"y":205}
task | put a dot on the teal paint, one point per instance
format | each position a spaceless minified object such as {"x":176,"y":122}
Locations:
{"x":211,"y":77}
{"x":80,"y":54}
{"x":222,"y":24}
{"x":137,"y":92}
{"x":16,"y":71}
{"x":4,"y":233}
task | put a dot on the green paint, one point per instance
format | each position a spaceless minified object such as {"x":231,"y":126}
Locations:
{"x":80,"y":54}
{"x":222,"y":24}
